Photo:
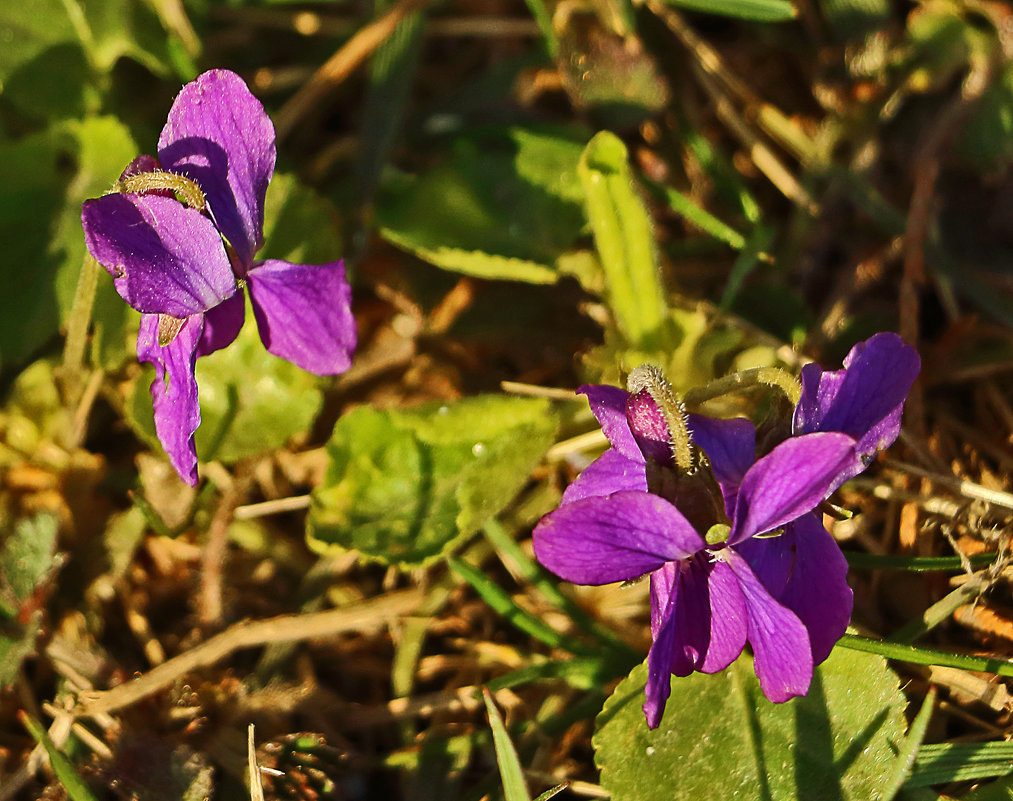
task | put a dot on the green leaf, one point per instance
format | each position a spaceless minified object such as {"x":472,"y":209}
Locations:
{"x":927,"y":656}
{"x":942,"y":763}
{"x":506,"y":205}
{"x":27,"y":558}
{"x":299,"y":225}
{"x":894,"y":778}
{"x":625,"y":242}
{"x":114,"y":29}
{"x":404,"y":486}
{"x":753,"y":10}
{"x":251,"y":402}
{"x":721,"y":738}
{"x":27,"y":555}
{"x":510,"y":771}
{"x":28,"y":28}
{"x":31,"y":195}
{"x":553,"y":791}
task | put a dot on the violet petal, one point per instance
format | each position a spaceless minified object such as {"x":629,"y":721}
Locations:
{"x":165,"y":258}
{"x":789,"y":481}
{"x":610,"y":472}
{"x":730,"y":446}
{"x":782,"y":657}
{"x":659,"y":663}
{"x":219,"y":135}
{"x":222,"y":325}
{"x":865,"y":398}
{"x":304,"y":313}
{"x":691,"y":616}
{"x":608,"y":405}
{"x":817,"y":589}
{"x":174,"y":390}
{"x":623,"y":536}
{"x":728,"y":619}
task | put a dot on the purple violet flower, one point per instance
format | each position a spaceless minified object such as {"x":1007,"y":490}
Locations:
{"x":184,"y":265}
{"x":716,"y":582}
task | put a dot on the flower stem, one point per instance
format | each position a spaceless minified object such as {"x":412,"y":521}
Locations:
{"x":756,"y":376}
{"x":77,"y":325}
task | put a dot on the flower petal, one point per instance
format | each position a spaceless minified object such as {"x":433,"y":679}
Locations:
{"x":610,"y":472}
{"x":621,"y":537}
{"x":659,"y":661}
{"x":304,"y":313}
{"x":174,"y":390}
{"x":728,"y":619}
{"x":817,"y":589}
{"x":219,"y":135}
{"x":165,"y":258}
{"x":789,"y":481}
{"x":222,"y":325}
{"x":730,"y":446}
{"x":781,"y":655}
{"x":608,"y":405}
{"x":864,"y":399}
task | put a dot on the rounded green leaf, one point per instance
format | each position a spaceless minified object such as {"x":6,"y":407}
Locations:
{"x":720,"y":738}
{"x":403,"y":487}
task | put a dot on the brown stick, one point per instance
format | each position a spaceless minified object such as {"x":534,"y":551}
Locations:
{"x":365,"y":616}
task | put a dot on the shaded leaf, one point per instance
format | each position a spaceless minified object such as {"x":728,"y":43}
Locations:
{"x":505,"y":205}
{"x":838,"y":742}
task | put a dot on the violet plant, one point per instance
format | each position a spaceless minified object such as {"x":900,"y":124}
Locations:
{"x":179,"y":233}
{"x":731,"y":539}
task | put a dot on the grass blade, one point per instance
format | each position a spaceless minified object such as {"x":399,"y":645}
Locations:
{"x":64,"y":769}
{"x":510,"y":771}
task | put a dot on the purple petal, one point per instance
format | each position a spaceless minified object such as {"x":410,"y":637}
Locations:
{"x":817,"y":589}
{"x":789,"y":481}
{"x":174,"y":390}
{"x":610,"y":472}
{"x":621,"y":537}
{"x":659,"y":661}
{"x":304,"y":313}
{"x":166,"y":258}
{"x":864,"y":399}
{"x":781,"y":655}
{"x":691,"y":617}
{"x":730,"y":446}
{"x":222,"y":325}
{"x":728,"y":619}
{"x":608,"y":405}
{"x":219,"y":135}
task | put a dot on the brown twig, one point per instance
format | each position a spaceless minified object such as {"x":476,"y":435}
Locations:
{"x":365,"y":616}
